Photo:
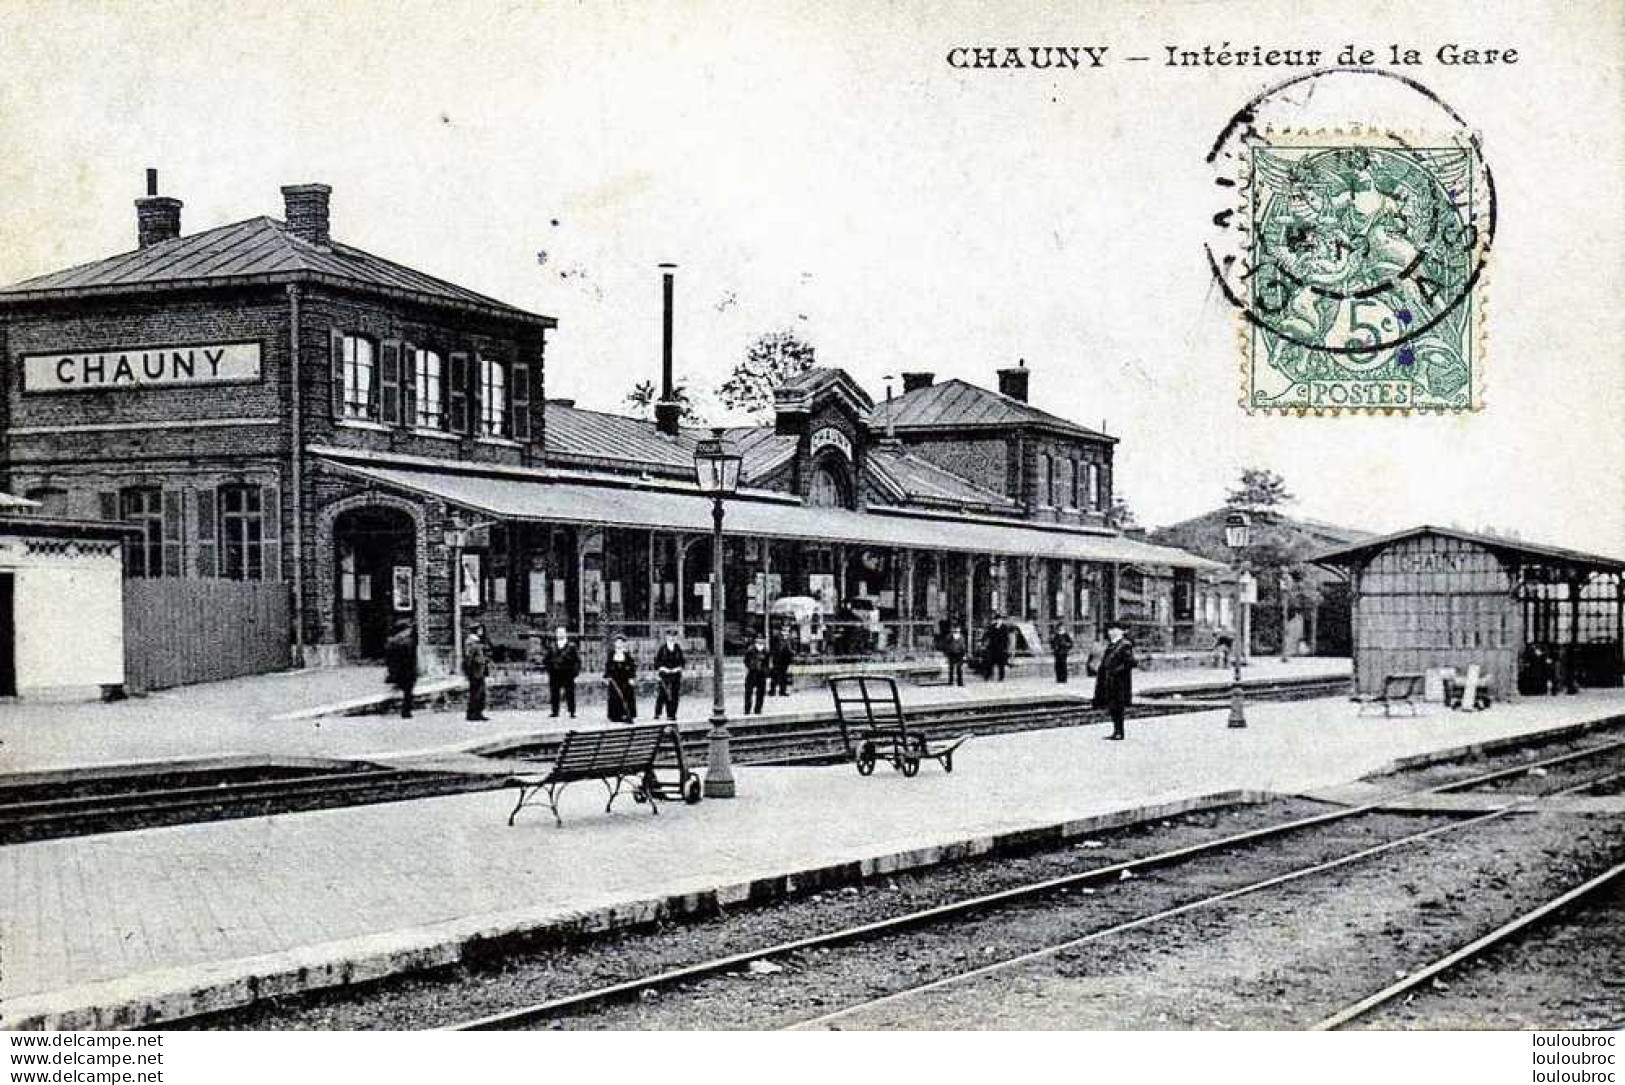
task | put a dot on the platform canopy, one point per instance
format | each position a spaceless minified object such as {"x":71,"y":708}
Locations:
{"x":762,"y":515}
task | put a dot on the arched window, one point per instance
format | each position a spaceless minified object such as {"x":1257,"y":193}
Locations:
{"x":829,"y":489}
{"x":429,"y":410}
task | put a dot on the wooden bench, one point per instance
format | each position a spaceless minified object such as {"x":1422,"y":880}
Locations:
{"x":1397,"y":689}
{"x":873,"y":726}
{"x":617,"y":756}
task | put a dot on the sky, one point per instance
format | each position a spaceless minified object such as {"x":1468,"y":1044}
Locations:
{"x":821,"y":167}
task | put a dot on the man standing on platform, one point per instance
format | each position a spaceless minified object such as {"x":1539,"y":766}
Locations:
{"x":756,"y":665}
{"x":401,"y":663}
{"x":953,"y":649}
{"x":476,"y":668}
{"x":669,"y":668}
{"x":998,"y":647}
{"x":782,"y":656}
{"x":1114,"y":680}
{"x":1060,"y":642}
{"x":562,"y":661}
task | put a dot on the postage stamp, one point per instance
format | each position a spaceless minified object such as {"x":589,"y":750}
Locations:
{"x":1355,"y":256}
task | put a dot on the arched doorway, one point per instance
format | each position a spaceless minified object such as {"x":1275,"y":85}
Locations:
{"x":374,"y":569}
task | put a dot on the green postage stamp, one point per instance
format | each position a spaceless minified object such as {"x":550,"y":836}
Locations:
{"x":1362,"y":288}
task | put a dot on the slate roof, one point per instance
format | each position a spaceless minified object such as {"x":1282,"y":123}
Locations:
{"x":255,"y":250}
{"x":764,"y":450}
{"x":922,"y":480}
{"x":961,"y":405}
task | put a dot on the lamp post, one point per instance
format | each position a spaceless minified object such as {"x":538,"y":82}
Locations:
{"x":716,"y":471}
{"x":1237,"y":533}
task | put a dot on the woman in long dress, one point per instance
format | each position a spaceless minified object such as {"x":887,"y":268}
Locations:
{"x":620,"y":675}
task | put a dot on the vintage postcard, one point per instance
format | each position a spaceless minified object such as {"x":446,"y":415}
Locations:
{"x":696,"y":515}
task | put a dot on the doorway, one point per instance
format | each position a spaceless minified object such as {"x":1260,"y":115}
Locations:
{"x":375,"y":566}
{"x":8,"y":635}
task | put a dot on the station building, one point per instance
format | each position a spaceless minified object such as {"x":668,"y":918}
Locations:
{"x":268,"y":406}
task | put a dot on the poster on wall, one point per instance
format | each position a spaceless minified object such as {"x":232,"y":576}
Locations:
{"x":537,"y":593}
{"x":468,"y":587}
{"x":592,"y":590}
{"x":401,"y":588}
{"x":822,"y":587}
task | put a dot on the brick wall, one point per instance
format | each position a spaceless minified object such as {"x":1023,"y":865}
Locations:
{"x":1079,"y":454}
{"x":985,"y":461}
{"x":444,"y":332}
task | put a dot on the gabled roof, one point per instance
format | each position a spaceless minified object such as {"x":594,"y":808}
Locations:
{"x":1517,"y":549}
{"x":957,"y":404}
{"x":256,"y":250}
{"x":916,"y":479}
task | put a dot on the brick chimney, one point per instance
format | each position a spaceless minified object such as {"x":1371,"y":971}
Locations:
{"x":306,"y":212}
{"x":913,"y":382}
{"x":157,"y":218}
{"x":668,"y":412}
{"x":1013,"y":381}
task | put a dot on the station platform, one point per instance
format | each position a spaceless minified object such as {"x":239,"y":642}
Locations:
{"x":296,"y":715}
{"x":133,"y":927}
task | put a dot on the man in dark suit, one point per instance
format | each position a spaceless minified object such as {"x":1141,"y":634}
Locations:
{"x":953,"y":650}
{"x":669,"y":668}
{"x":1114,"y":680}
{"x":999,"y":636}
{"x":782,"y":656}
{"x":477,"y":669}
{"x":401,"y":662}
{"x":1060,"y":643}
{"x":756,"y":668}
{"x":562,"y":661}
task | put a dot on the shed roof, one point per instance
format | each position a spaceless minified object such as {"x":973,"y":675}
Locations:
{"x":255,"y":250}
{"x":1516,"y":549}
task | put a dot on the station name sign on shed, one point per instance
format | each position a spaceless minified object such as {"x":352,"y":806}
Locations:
{"x":141,"y":367}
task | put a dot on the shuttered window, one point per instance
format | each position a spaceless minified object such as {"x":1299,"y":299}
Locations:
{"x":389,"y":382}
{"x":519,"y":425}
{"x":355,"y":376}
{"x":493,"y":397}
{"x":430,"y":391}
{"x":208,"y":553}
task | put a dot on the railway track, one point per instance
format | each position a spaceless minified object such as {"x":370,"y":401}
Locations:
{"x":32,"y":811}
{"x":638,"y":987}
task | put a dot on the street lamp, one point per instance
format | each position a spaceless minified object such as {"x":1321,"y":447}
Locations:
{"x":1281,"y":587}
{"x":1237,"y":534}
{"x":716,"y":471}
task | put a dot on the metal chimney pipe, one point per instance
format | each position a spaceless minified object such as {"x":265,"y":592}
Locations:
{"x":666,"y":378}
{"x":668,"y":412}
{"x":152,"y":181}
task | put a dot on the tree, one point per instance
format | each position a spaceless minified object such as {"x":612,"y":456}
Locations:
{"x":644,"y":395}
{"x":1260,"y":488}
{"x":770,"y":361}
{"x":1120,"y":515}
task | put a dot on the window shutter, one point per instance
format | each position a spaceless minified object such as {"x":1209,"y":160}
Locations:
{"x":336,"y":345}
{"x":476,"y":394}
{"x":174,"y":527}
{"x":108,"y":500}
{"x":271,"y":532}
{"x":459,"y":392}
{"x":208,"y":553}
{"x":409,"y":385}
{"x":519,"y":403}
{"x":389,"y":382}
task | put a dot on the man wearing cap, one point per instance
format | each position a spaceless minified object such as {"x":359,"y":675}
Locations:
{"x":669,"y":666}
{"x":1114,"y":680}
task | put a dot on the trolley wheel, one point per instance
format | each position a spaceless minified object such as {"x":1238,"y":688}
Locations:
{"x":639,"y":795}
{"x":691,"y":789}
{"x":909,"y":764}
{"x":866,"y":759}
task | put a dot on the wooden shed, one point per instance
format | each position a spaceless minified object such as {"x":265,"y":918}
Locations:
{"x":1438,"y":597}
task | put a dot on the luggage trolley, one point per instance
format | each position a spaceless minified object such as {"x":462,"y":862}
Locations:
{"x":873,"y":726}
